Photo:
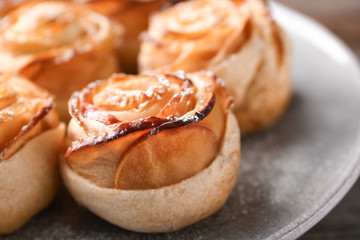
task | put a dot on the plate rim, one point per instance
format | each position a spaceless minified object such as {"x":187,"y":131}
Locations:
{"x":311,"y":217}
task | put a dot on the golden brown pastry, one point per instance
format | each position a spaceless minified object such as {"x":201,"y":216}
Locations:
{"x":152,"y":153}
{"x":59,"y":46}
{"x":30,"y":140}
{"x":133,"y":15}
{"x":237,"y":40}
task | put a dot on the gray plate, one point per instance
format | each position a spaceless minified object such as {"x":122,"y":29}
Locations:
{"x":291,"y":175}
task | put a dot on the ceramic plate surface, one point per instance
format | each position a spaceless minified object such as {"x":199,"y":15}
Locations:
{"x":291,"y":175}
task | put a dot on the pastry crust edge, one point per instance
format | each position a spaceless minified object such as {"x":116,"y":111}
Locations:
{"x":29,"y":179}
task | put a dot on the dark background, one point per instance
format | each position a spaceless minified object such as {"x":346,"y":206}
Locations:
{"x":342,"y":17}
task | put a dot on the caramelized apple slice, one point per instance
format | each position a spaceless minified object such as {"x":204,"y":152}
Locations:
{"x":166,"y":158}
{"x":97,"y":165}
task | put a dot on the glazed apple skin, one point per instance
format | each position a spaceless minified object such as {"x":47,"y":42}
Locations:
{"x":154,"y":157}
{"x":145,"y":132}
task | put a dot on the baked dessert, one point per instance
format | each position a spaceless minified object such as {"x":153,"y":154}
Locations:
{"x":133,"y":16}
{"x":153,"y":152}
{"x":236,"y":39}
{"x":60,"y":46}
{"x":30,"y":141}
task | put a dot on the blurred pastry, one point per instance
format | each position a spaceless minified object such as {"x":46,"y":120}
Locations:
{"x":30,"y":141}
{"x":59,"y":46}
{"x":236,"y":39}
{"x":133,"y":15}
{"x":7,"y":6}
{"x":153,"y":152}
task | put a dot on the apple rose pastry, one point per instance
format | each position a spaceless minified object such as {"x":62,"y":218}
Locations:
{"x":60,"y":46}
{"x":152,"y":153}
{"x":133,"y":16}
{"x":30,"y":140}
{"x":237,"y":40}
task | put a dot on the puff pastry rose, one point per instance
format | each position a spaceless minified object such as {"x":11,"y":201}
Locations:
{"x":236,"y":39}
{"x":133,"y":16}
{"x":154,"y":152}
{"x":30,"y":140}
{"x":59,"y":46}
